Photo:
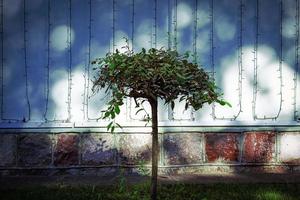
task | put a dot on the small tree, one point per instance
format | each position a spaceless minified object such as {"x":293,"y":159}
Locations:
{"x":153,"y":74}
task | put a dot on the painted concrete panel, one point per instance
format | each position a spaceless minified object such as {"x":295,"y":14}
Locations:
{"x":290,"y":147}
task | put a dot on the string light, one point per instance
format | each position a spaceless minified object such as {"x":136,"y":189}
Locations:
{"x":25,"y":62}
{"x":195,"y":28}
{"x":47,"y":85}
{"x":255,"y":90}
{"x":212,"y":51}
{"x":175,"y":25}
{"x":154,"y":32}
{"x":169,"y":25}
{"x":113,"y":25}
{"x":296,"y":68}
{"x":69,"y":47}
{"x":87,"y":67}
{"x":2,"y":58}
{"x":240,"y":67}
{"x":132,"y":25}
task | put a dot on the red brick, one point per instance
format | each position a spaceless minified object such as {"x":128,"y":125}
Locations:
{"x":66,"y":150}
{"x":259,"y":147}
{"x":222,"y":147}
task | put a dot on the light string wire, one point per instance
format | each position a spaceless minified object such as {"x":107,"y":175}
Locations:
{"x":195,"y":37}
{"x":195,"y":33}
{"x":132,"y":25}
{"x":172,"y":32}
{"x":113,"y":25}
{"x":2,"y":58}
{"x":87,"y":68}
{"x":255,"y":88}
{"x":175,"y":30}
{"x":47,"y":85}
{"x":169,"y":25}
{"x":255,"y":59}
{"x":69,"y":47}
{"x":26,"y":62}
{"x":240,"y":68}
{"x":296,"y":68}
{"x":3,"y":118}
{"x":212,"y":51}
{"x":154,"y":26}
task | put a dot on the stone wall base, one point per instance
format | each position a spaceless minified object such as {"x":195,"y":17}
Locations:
{"x":104,"y":154}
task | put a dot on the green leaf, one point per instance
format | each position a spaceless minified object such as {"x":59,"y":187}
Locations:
{"x":117,"y":109}
{"x":113,"y":115}
{"x":109,"y":125}
{"x":112,"y":129}
{"x":106,"y":114}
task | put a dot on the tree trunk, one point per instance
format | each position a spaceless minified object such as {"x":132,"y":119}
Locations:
{"x":153,"y":103}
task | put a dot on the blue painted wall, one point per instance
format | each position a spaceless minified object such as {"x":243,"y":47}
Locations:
{"x":250,"y":46}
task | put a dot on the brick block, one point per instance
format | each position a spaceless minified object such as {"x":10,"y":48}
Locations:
{"x":34,"y":150}
{"x":66,"y":150}
{"x":259,"y":147}
{"x":135,"y":148}
{"x":98,"y":149}
{"x":290,"y":148}
{"x":8,"y":146}
{"x":183,"y":148}
{"x":222,"y":147}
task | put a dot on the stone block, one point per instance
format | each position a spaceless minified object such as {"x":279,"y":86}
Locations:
{"x":8,"y":146}
{"x":34,"y":150}
{"x":98,"y":149}
{"x":182,"y":148}
{"x":135,"y":148}
{"x":290,"y":148}
{"x":222,"y":147}
{"x":259,"y":147}
{"x":66,"y":150}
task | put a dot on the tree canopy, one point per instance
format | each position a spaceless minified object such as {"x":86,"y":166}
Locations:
{"x":156,"y":73}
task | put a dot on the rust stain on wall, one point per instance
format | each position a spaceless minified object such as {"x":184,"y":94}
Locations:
{"x":259,"y":147}
{"x":222,"y":147}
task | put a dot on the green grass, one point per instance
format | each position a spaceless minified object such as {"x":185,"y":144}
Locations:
{"x":166,"y":192}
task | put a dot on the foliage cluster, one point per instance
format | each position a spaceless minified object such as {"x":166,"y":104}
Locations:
{"x":152,"y":74}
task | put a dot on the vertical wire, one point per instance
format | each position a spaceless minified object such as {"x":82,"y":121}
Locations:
{"x":87,"y":68}
{"x":175,"y":26}
{"x":172,"y":32}
{"x":212,"y":51}
{"x":2,"y":58}
{"x":25,"y":61}
{"x":48,"y":61}
{"x":279,"y":66}
{"x":296,"y":60}
{"x":195,"y":35}
{"x":240,"y":60}
{"x":280,"y":61}
{"x":113,"y":24}
{"x":240,"y":67}
{"x":132,"y":25}
{"x":154,"y":35}
{"x":69,"y":43}
{"x":169,"y":25}
{"x":255,"y":60}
